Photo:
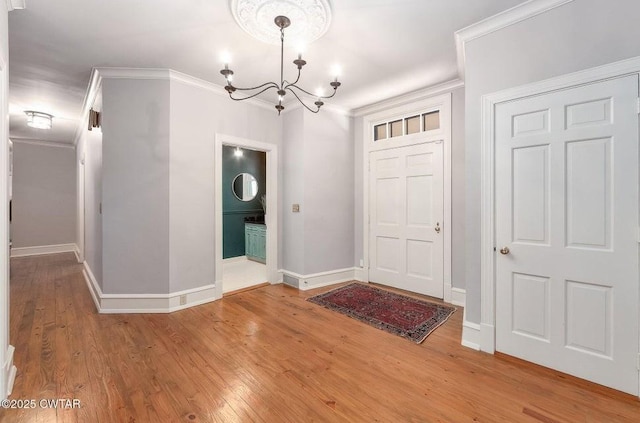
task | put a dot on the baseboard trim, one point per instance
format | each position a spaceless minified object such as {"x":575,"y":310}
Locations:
{"x":322,"y":279}
{"x":146,"y":303}
{"x":44,"y":249}
{"x":458,"y":297}
{"x":9,"y":371}
{"x":76,"y":251}
{"x":92,"y":284}
{"x":487,"y":338}
{"x":480,"y":337}
{"x":471,"y":336}
{"x":360,"y":275}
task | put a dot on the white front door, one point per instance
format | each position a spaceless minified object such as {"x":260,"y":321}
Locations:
{"x":406,"y":218}
{"x":567,"y":231}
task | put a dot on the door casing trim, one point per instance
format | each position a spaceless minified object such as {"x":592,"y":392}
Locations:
{"x":443,"y":104}
{"x":272,"y":211}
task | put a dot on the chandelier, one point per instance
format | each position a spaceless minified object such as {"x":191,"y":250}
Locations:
{"x":284,"y":86}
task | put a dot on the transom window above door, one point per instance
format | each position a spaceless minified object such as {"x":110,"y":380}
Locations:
{"x":408,"y":125}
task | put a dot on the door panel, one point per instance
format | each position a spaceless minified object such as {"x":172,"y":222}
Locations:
{"x":406,"y":241}
{"x":567,"y":209}
{"x":531,"y":195}
{"x":588,"y":197}
{"x":531,"y":318}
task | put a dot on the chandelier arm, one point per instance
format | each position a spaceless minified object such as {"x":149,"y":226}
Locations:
{"x":270,"y":84}
{"x":289,"y":84}
{"x":253,"y":95}
{"x":302,"y":102}
{"x":311,"y":94}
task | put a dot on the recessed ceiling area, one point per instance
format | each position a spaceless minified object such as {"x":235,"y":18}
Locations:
{"x":384,"y":47}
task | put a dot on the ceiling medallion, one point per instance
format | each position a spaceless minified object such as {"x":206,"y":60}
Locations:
{"x":310,"y":19}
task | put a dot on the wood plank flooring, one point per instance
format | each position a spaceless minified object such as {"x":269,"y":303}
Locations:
{"x":265,"y":355}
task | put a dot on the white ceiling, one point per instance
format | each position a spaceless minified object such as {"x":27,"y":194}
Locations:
{"x":384,"y":47}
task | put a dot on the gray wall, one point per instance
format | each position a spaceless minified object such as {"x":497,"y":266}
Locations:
{"x":44,"y":195}
{"x":154,"y":174}
{"x":328,"y":192}
{"x":135,"y":186}
{"x":318,"y":175}
{"x":457,"y":188}
{"x":573,"y":37}
{"x":293,"y":165}
{"x":197,"y":115}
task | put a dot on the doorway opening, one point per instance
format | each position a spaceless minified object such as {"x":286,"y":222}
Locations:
{"x":407,"y":224}
{"x":244,"y":180}
{"x":245,"y":214}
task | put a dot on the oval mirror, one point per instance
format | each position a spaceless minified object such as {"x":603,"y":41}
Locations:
{"x":245,"y":187}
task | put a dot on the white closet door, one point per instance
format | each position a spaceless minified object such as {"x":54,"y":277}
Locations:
{"x":567,"y":231}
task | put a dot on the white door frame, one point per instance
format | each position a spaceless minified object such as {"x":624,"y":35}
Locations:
{"x":271,"y":151}
{"x":7,"y":369}
{"x":443,"y":104}
{"x":489,"y":103}
{"x":80,"y":174}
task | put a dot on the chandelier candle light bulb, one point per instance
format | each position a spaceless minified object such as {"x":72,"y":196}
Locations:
{"x":319,"y":94}
{"x":281,"y":22}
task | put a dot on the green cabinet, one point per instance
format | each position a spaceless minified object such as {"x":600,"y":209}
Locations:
{"x":255,"y":241}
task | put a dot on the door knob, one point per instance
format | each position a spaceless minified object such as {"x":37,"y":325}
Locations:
{"x":437,"y":228}
{"x":504,"y":250}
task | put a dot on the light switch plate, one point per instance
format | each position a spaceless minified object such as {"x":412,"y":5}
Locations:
{"x":295,"y":208}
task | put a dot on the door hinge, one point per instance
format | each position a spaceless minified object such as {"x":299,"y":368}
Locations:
{"x":638,"y":105}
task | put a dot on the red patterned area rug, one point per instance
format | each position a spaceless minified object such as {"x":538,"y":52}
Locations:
{"x":408,"y":317}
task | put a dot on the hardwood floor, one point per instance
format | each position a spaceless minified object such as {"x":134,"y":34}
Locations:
{"x":265,"y":355}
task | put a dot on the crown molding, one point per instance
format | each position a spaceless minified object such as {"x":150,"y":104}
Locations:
{"x":214,"y":88}
{"x":16,"y":5}
{"x":95,"y":83}
{"x":499,"y":21}
{"x":172,"y":75}
{"x":99,"y":74}
{"x":411,"y":97}
{"x":133,"y":73}
{"x":295,"y":105}
{"x":41,"y":143}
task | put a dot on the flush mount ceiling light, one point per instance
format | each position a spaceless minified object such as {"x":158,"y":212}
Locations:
{"x":38,"y":120}
{"x":311,"y":17}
